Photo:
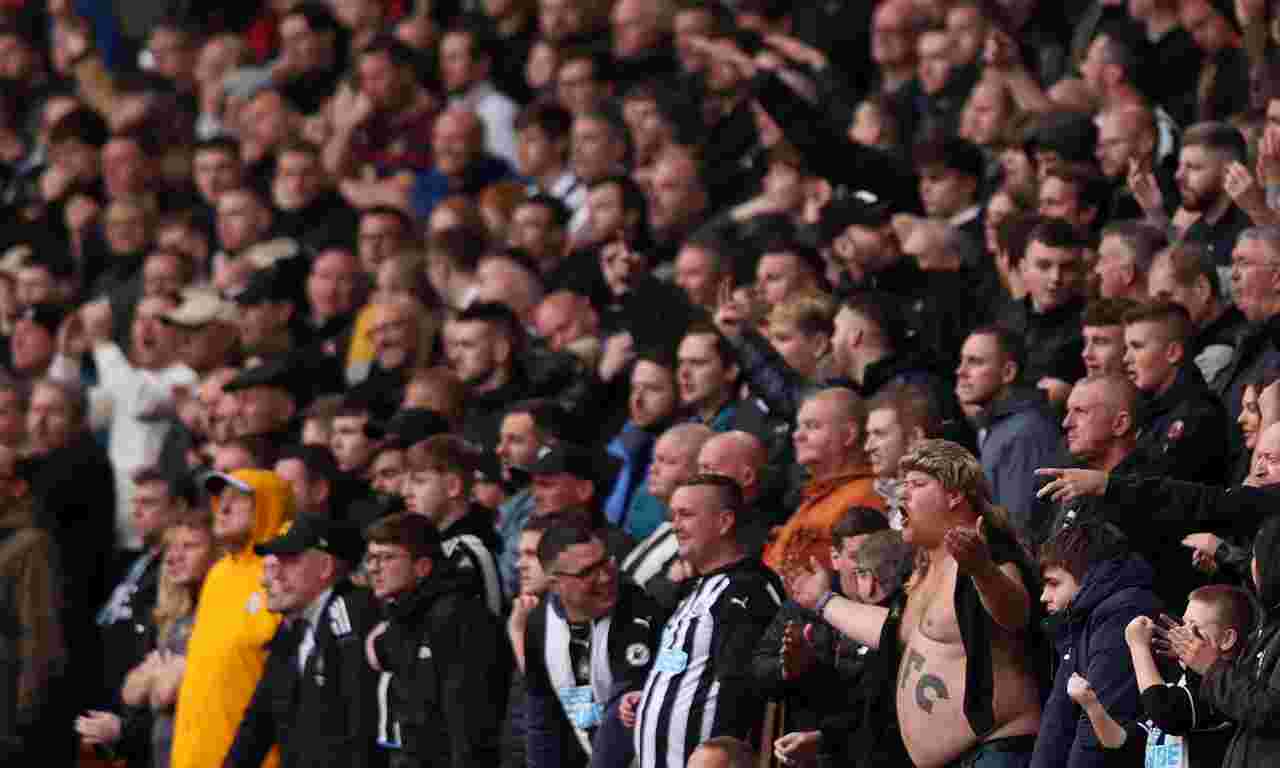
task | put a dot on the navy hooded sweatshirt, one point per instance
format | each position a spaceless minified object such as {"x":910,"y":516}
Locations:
{"x":1090,"y":640}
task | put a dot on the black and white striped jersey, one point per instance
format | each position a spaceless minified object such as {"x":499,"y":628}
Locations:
{"x":651,"y":556}
{"x":700,"y":685}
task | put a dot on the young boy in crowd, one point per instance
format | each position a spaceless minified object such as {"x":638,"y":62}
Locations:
{"x":1176,"y":731}
{"x":1093,"y":588}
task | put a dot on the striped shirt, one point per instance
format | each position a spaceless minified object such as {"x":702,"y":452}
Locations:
{"x":651,"y":556}
{"x":699,"y":686}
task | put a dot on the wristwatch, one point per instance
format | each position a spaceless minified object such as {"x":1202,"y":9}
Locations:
{"x":822,"y":602}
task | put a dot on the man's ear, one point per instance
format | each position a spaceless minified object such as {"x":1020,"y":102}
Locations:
{"x":1122,"y":423}
{"x":422,"y":568}
{"x":1174,"y":352}
{"x":453,"y":485}
{"x":1009,"y":372}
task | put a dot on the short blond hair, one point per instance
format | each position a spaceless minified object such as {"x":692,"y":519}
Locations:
{"x":810,"y":313}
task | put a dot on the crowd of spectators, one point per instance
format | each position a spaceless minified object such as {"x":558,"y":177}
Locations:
{"x":612,"y":383}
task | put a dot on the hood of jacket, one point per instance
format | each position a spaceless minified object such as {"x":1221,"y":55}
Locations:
{"x":1266,"y":549}
{"x":1018,"y":400}
{"x":1107,"y":578}
{"x":442,"y":580}
{"x":272,"y":505}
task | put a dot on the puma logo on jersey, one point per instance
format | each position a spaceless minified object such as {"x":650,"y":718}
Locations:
{"x":643,"y":622}
{"x":742,"y":601}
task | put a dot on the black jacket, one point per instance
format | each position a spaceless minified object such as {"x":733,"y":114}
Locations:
{"x":1053,"y":339}
{"x":325,"y":716}
{"x":831,"y":688}
{"x":1183,"y":433}
{"x":74,"y":491}
{"x":127,"y":629}
{"x":538,"y":372}
{"x":450,"y":667}
{"x":474,"y":546}
{"x":1247,"y":689}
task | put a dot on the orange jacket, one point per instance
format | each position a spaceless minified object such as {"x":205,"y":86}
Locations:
{"x":807,"y":533}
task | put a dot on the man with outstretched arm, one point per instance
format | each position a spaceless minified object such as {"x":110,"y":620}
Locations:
{"x":965,"y":687}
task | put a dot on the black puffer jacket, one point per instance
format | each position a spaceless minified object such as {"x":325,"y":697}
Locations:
{"x":451,"y":673}
{"x":1247,"y":689}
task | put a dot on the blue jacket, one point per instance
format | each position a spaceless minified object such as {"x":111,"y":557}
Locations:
{"x":1016,"y":437}
{"x":1090,"y":640}
{"x":512,"y":515}
{"x":633,"y":446}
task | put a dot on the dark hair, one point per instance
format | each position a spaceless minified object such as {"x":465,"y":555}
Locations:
{"x":558,"y":538}
{"x":413,"y":532}
{"x":724,"y":348}
{"x":476,"y":26}
{"x":400,"y":54}
{"x":857,"y":521}
{"x":1056,"y":233}
{"x":1077,"y":548}
{"x":1011,"y":344}
{"x":550,"y":420}
{"x":80,"y":124}
{"x":1173,"y":317}
{"x":885,"y":553}
{"x":728,"y":489}
{"x":1100,"y":312}
{"x":560,"y":212}
{"x":1091,"y":187}
{"x":462,"y":246}
{"x":1219,"y":136}
{"x":549,"y":117}
{"x":1014,"y":234}
{"x":883,"y":311}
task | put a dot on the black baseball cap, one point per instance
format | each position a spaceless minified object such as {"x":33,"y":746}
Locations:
{"x":340,"y":539}
{"x":266,"y":286}
{"x":47,"y":315}
{"x":570,"y":459}
{"x":282,"y":372}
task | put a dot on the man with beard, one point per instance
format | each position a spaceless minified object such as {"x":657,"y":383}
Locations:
{"x":487,"y":349}
{"x":1207,"y":213}
{"x":398,"y":328}
{"x":527,"y":428}
{"x":651,"y":406}
{"x":134,"y":390}
{"x":378,"y":124}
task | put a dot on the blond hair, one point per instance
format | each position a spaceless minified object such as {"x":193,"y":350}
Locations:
{"x":174,"y":602}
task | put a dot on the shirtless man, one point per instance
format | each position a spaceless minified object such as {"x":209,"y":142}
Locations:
{"x":967,"y":575}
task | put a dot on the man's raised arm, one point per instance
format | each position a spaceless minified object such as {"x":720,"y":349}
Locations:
{"x":859,"y":622}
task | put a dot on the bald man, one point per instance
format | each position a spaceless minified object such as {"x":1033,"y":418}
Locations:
{"x":675,"y":459}
{"x":462,"y":167}
{"x":503,"y":280}
{"x":743,"y":456}
{"x":567,"y":322}
{"x":829,"y":443}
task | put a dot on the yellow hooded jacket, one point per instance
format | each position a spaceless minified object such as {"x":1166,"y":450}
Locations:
{"x":228,"y":646}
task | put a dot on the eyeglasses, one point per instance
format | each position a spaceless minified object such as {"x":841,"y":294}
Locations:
{"x":588,"y":572}
{"x":375,"y":561}
{"x":863,"y":572}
